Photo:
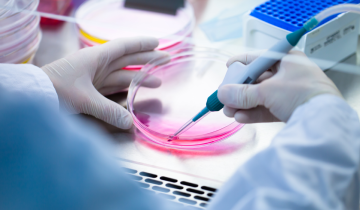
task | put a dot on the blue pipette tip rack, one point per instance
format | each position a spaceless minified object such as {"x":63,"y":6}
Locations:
{"x":292,"y":14}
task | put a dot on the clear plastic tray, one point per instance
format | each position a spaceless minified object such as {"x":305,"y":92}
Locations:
{"x":187,"y":80}
{"x":101,"y":21}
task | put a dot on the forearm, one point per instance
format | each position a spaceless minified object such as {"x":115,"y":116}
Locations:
{"x":311,"y":164}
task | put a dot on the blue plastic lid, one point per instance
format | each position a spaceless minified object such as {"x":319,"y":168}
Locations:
{"x":292,"y":14}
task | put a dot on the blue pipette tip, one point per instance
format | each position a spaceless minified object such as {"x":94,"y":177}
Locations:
{"x":201,"y":114}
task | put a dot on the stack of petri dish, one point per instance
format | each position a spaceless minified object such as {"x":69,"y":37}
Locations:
{"x":20,"y":34}
{"x":105,"y":20}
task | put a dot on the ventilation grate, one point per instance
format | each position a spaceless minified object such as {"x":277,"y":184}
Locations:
{"x":182,"y":192}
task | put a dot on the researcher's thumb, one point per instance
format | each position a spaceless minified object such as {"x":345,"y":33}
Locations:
{"x":107,"y":110}
{"x":239,"y":96}
{"x":245,"y":57}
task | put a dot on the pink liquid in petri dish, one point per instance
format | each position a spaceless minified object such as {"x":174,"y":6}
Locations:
{"x":187,"y":80}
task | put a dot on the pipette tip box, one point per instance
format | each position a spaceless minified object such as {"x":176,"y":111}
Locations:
{"x":332,"y":41}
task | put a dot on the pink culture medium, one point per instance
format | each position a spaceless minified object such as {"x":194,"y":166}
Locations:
{"x":187,"y":80}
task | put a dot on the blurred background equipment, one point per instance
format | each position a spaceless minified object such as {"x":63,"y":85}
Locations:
{"x":19,"y":31}
{"x":228,"y":23}
{"x":335,"y":39}
{"x":162,"y":6}
{"x":58,"y":7}
{"x":101,"y":21}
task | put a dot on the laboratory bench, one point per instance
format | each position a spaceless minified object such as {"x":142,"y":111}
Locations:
{"x":211,"y":165}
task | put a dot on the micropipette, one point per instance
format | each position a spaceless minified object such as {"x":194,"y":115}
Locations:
{"x":238,"y":73}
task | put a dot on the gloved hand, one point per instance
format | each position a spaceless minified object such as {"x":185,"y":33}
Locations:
{"x":278,"y":92}
{"x":81,"y":79}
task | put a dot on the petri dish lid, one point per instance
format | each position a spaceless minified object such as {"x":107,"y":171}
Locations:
{"x":12,"y":7}
{"x":19,"y":13}
{"x":187,"y":81}
{"x":5,"y":6}
{"x":109,"y":19}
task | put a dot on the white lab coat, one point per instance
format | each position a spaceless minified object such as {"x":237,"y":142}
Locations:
{"x":312,"y":163}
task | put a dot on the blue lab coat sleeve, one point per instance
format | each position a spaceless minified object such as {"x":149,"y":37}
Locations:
{"x":28,"y":81}
{"x":311,"y":164}
{"x":47,"y":163}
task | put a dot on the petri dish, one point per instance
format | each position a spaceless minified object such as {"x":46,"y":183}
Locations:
{"x":4,"y":6}
{"x":102,"y":21}
{"x":18,"y":14}
{"x":187,"y":80}
{"x":19,"y":31}
{"x":23,"y":53}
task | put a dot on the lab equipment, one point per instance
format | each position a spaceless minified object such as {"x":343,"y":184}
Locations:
{"x":19,"y":31}
{"x":190,"y":75}
{"x":332,"y":41}
{"x":101,"y":21}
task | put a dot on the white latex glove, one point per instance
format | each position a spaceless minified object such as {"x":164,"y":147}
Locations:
{"x":278,"y":92}
{"x":81,"y":79}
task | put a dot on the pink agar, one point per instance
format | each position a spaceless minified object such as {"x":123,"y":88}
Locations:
{"x":187,"y":80}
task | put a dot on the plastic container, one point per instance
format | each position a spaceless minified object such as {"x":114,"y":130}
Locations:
{"x":101,"y":21}
{"x":187,"y":80}
{"x":19,"y":31}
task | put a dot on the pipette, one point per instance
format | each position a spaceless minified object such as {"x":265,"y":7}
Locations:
{"x":237,"y":73}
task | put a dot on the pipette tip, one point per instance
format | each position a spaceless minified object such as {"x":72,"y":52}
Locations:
{"x":175,"y":136}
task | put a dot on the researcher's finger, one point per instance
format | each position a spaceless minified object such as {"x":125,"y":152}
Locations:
{"x":229,"y":111}
{"x":104,"y":109}
{"x":245,"y":58}
{"x":122,"y":78}
{"x":123,"y":46}
{"x":266,"y":75}
{"x":139,"y":58}
{"x":255,"y":115}
{"x":119,"y":80}
{"x":297,"y":52}
{"x":239,"y":96}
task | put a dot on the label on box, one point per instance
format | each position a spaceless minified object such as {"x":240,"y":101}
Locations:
{"x":331,"y":39}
